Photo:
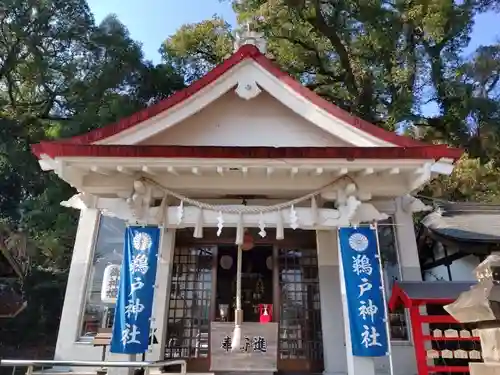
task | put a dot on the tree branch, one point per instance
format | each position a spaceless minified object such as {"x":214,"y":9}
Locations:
{"x":322,"y":67}
{"x":320,"y":24}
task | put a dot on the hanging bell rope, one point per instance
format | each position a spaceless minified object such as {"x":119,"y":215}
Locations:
{"x":238,"y":313}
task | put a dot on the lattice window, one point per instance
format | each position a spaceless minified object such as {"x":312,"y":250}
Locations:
{"x":300,"y":314}
{"x":189,"y":305}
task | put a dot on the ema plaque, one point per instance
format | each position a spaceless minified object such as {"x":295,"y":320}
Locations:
{"x":258,"y":349}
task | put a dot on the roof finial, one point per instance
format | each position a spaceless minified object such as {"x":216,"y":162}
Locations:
{"x":247,"y":36}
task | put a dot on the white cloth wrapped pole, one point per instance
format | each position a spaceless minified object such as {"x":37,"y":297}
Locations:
{"x":314,"y":210}
{"x":280,"y":232}
{"x":240,"y":231}
{"x":235,"y":343}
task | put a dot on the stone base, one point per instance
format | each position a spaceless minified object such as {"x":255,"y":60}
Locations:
{"x":484,"y":368}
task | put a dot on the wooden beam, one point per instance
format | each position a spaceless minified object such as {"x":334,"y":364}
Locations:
{"x":99,"y":170}
{"x":148,"y":170}
{"x":233,"y":183}
{"x":269,"y":171}
{"x":394,"y":171}
{"x":172,"y":170}
{"x":367,"y":172}
{"x":342,"y":172}
{"x":318,"y":171}
{"x":326,"y":218}
{"x":447,"y":260}
{"x":419,"y":178}
{"x":124,"y":170}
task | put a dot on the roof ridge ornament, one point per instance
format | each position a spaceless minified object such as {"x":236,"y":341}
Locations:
{"x":248,"y":36}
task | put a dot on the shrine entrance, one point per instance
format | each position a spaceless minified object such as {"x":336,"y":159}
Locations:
{"x":282,"y":275}
{"x":257,"y":282}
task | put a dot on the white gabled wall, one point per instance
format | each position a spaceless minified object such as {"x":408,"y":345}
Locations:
{"x":233,"y":121}
{"x":248,"y":73}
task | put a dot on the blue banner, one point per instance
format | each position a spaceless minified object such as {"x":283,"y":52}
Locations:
{"x":135,"y":294}
{"x":365,"y":299}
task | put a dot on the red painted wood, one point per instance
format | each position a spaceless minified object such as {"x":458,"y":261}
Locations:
{"x":58,"y":149}
{"x":432,"y":338}
{"x":448,"y":369}
{"x":438,"y":319}
{"x":399,"y":297}
{"x":418,"y":341}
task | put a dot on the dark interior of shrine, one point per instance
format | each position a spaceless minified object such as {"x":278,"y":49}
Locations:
{"x":256,"y":281}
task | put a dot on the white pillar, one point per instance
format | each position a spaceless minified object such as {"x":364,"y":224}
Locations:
{"x":331,"y":303}
{"x":355,"y":365}
{"x":407,"y":244}
{"x":162,"y":294}
{"x":403,"y":356}
{"x":76,"y":288}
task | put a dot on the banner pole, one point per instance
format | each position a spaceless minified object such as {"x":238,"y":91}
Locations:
{"x":384,"y":298}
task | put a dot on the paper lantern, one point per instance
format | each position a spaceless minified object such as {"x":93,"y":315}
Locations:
{"x":110,"y":283}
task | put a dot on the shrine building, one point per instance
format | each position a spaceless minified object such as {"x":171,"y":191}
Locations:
{"x":244,"y":151}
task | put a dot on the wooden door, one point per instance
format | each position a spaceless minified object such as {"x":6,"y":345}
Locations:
{"x":190,"y":306}
{"x":300,"y":346}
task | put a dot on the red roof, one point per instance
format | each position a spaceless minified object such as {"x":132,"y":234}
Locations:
{"x":69,"y":147}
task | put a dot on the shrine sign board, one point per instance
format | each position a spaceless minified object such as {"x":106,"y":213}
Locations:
{"x":258,"y":347}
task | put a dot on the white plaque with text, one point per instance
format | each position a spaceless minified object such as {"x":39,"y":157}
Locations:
{"x":258,"y":347}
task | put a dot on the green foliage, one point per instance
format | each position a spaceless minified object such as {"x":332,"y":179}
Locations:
{"x":60,"y":75}
{"x":471,"y":180}
{"x":196,"y":48}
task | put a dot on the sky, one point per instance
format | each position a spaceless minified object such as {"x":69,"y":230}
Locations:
{"x":152,"y":21}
